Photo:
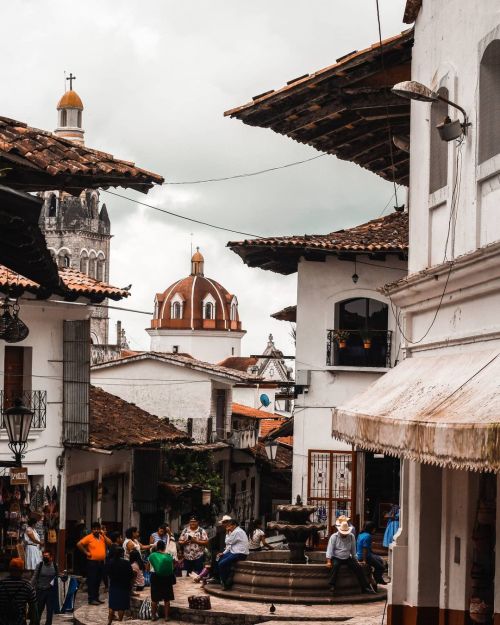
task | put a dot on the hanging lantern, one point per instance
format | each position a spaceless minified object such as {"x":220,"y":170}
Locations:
{"x":5,"y":317}
{"x":17,"y":330}
{"x":206,"y":497}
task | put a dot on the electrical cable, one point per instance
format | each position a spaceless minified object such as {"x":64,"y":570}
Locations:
{"x":172,"y":214}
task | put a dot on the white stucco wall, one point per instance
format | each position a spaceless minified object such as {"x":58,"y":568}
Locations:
{"x":165,"y":390}
{"x":320,"y":287}
{"x":208,"y":346}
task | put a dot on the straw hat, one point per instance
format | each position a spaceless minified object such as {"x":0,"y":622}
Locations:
{"x":344,"y":528}
{"x":225,"y":519}
{"x":341,"y":518}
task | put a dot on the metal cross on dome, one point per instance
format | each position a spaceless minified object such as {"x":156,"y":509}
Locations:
{"x":71,"y":78}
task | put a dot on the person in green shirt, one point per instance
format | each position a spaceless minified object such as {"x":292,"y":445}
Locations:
{"x":161,"y":566}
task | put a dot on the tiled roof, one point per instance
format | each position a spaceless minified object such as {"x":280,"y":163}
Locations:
{"x":268,"y":426}
{"x":385,"y":235}
{"x":344,"y":108}
{"x":240,"y":363}
{"x":284,"y":456}
{"x":411,"y":11}
{"x":286,"y":314}
{"x":116,"y":423}
{"x":180,"y":360}
{"x":254,"y":413}
{"x":73,"y":283}
{"x":36,"y":160}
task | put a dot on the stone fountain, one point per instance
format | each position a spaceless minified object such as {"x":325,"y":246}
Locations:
{"x":282,"y":576}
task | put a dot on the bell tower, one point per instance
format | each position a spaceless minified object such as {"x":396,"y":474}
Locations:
{"x":70,"y":112}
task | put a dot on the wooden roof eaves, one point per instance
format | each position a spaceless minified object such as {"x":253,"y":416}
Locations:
{"x":337,"y":69}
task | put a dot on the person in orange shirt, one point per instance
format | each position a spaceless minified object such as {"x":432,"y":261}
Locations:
{"x":94,"y":547}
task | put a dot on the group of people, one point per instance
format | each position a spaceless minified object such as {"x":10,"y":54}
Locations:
{"x":19,"y":595}
{"x":345,"y":550}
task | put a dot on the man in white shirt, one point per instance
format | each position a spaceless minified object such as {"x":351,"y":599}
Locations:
{"x":236,"y":549}
{"x":341,"y":551}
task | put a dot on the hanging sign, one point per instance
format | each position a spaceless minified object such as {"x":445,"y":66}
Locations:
{"x":18,"y":476}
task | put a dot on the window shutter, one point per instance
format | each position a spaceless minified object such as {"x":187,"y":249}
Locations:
{"x":76,"y":382}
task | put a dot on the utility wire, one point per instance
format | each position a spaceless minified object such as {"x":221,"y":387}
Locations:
{"x":247,"y":175}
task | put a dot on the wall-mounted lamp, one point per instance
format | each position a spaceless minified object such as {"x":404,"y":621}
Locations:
{"x":355,"y":276}
{"x":448,"y":129}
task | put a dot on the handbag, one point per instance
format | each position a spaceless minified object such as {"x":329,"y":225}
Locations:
{"x":199,"y":602}
{"x":52,"y":536}
{"x":145,"y":610}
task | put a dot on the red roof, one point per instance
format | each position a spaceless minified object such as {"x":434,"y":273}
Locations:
{"x":116,"y":423}
{"x":37,"y":160}
{"x":240,"y":363}
{"x":385,"y":235}
{"x":253,"y":413}
{"x":72,"y":283}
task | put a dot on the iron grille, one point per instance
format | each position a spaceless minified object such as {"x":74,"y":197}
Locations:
{"x":34,"y":400}
{"x":354,"y":353}
{"x":76,"y":378}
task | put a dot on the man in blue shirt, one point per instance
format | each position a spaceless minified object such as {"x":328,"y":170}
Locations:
{"x":365,"y":554}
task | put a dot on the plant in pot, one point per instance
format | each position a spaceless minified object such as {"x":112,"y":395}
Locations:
{"x":341,"y":337}
{"x":366,"y":337}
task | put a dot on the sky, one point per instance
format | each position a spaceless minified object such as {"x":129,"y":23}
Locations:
{"x":155,"y":78}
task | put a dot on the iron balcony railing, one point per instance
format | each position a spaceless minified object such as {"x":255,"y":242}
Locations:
{"x":358,"y":348}
{"x":34,"y":400}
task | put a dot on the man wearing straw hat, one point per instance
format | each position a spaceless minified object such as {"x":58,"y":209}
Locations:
{"x":341,"y":551}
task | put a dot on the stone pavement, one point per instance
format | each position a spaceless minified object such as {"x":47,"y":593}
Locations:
{"x":227,"y":611}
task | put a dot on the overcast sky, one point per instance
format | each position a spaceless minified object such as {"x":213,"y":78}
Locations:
{"x":155,"y":77}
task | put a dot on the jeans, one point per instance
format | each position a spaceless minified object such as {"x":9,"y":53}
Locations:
{"x":226,"y":565}
{"x":194,"y":565}
{"x":378,"y":565}
{"x":45,"y":599}
{"x":353,"y":565}
{"x":95,"y":570}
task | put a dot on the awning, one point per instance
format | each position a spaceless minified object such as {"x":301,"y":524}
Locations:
{"x":438,"y":410}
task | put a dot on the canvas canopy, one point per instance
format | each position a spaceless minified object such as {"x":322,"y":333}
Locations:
{"x":441,"y":410}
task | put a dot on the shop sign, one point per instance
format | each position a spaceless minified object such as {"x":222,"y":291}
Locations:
{"x":18,"y":476}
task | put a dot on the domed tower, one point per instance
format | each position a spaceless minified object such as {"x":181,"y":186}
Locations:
{"x":78,"y":229}
{"x":70,"y":108}
{"x":197,"y":316}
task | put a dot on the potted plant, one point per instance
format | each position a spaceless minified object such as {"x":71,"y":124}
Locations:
{"x":366,"y":337}
{"x":341,"y":337}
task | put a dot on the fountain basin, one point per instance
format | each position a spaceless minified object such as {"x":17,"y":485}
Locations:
{"x":268,"y":576}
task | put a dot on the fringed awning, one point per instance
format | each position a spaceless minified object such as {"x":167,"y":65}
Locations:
{"x":437,"y":410}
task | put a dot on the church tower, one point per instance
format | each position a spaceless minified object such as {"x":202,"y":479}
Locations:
{"x":197,"y":316}
{"x":77,"y":229}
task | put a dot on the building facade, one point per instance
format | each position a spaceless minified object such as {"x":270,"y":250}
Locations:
{"x":77,"y":228}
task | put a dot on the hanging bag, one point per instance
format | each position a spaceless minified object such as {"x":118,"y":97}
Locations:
{"x":145,"y":610}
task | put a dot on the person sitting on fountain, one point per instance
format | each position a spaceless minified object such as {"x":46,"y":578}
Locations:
{"x":343,"y":517}
{"x":236,"y":549}
{"x":341,"y":551}
{"x":365,"y":553}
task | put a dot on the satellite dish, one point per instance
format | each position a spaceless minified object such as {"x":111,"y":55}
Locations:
{"x":264,"y":400}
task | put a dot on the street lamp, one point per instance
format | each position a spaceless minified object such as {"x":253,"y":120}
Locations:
{"x":413,"y":90}
{"x":17,"y":422}
{"x":271,"y":448}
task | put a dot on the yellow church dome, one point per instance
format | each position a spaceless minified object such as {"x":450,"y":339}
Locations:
{"x":70,"y":100}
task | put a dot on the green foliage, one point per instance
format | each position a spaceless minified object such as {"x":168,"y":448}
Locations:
{"x":197,"y":468}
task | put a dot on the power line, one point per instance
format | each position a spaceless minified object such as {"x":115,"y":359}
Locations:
{"x":172,"y":214}
{"x":249,"y":174}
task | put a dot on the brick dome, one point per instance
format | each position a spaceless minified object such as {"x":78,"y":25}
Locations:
{"x":196,"y":303}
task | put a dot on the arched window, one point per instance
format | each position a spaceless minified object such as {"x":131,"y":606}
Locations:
{"x":92,"y":266}
{"x":361,"y":337}
{"x":234,"y":311}
{"x":176,"y":312}
{"x":209,"y":311}
{"x":52,"y":206}
{"x":438,"y":173}
{"x":64,"y":260}
{"x":100,"y":269}
{"x":489,"y":102}
{"x":64,"y":117}
{"x":84,"y":262}
{"x":79,"y":119}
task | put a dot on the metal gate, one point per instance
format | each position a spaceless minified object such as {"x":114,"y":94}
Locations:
{"x":331,"y":481}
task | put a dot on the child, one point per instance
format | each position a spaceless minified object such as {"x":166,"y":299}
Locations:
{"x":205,"y":573}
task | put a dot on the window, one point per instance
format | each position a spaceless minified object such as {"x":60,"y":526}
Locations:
{"x":64,"y":260}
{"x":64,"y":117}
{"x":100,"y":270}
{"x":84,"y":263}
{"x":220,"y":413}
{"x":489,"y":102}
{"x":52,"y":206}
{"x":92,"y":266}
{"x":79,"y":119}
{"x":209,"y":311}
{"x":234,"y":311}
{"x":176,"y":312}
{"x":360,"y":337}
{"x":175,"y":349}
{"x":438,"y":173}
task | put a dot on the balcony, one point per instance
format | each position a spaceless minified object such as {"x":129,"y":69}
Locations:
{"x":356,"y":348}
{"x":34,"y":400}
{"x":243,"y":439}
